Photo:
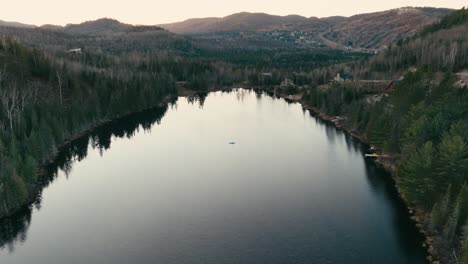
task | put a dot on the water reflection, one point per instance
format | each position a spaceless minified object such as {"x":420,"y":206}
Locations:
{"x":197,"y":98}
{"x":13,"y":230}
{"x":293,"y":190}
{"x":383,"y":188}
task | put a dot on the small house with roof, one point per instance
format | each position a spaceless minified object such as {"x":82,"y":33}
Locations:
{"x":343,"y":77}
{"x":287,"y":83}
{"x":77,"y":51}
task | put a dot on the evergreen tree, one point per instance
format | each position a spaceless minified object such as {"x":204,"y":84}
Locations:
{"x":464,"y":202}
{"x":440,"y":210}
{"x":453,"y":220}
{"x":464,"y":258}
{"x":416,"y":175}
{"x":453,"y":160}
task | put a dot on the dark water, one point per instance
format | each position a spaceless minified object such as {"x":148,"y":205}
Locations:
{"x":167,"y":187}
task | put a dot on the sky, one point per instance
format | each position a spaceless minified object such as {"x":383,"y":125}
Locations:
{"x":151,"y":12}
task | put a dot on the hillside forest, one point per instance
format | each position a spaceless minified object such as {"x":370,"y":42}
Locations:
{"x":409,"y":100}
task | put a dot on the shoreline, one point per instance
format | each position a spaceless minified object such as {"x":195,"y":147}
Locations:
{"x":414,"y":213}
{"x":36,"y":187}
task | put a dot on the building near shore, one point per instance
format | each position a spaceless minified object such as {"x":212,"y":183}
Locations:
{"x":343,"y":77}
{"x":287,"y":83}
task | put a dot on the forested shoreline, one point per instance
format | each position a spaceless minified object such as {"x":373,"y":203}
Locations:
{"x":49,"y":97}
{"x":419,"y":124}
{"x":45,"y":104}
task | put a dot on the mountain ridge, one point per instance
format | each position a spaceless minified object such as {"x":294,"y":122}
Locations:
{"x":15,"y":24}
{"x":368,"y":32}
{"x":184,"y":27}
{"x":363,"y":31}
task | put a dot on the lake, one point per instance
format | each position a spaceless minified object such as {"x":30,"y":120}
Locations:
{"x":239,"y":177}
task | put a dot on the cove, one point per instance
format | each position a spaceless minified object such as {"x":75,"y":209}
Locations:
{"x":166,"y":186}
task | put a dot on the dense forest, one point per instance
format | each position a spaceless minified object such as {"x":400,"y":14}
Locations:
{"x":422,"y":122}
{"x":50,"y":96}
{"x":44,"y":104}
{"x":15,"y":228}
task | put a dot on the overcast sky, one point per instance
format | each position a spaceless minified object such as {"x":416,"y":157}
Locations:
{"x":151,"y":12}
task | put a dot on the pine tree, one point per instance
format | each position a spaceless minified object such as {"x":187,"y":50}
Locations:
{"x":416,"y":175}
{"x":465,"y":253}
{"x":464,"y":240}
{"x":440,"y":210}
{"x":29,"y":169}
{"x":464,"y":208}
{"x":453,"y":160}
{"x":453,"y":220}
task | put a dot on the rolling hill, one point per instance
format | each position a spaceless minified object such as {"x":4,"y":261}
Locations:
{"x":242,"y":31}
{"x":370,"y":31}
{"x":100,"y":26}
{"x":242,"y":22}
{"x":15,"y":24}
{"x":103,"y":35}
{"x":383,"y":28}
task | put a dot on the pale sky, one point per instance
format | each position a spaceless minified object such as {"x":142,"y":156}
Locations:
{"x":150,"y":12}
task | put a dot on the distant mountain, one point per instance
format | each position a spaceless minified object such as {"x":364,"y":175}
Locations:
{"x":247,"y":31}
{"x":100,"y":26}
{"x":15,"y":24}
{"x":375,"y":30}
{"x":102,"y":35}
{"x":51,"y":27}
{"x":238,"y":22}
{"x":371,"y":31}
{"x":103,"y":26}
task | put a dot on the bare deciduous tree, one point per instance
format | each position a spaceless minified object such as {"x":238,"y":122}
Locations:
{"x":10,"y":103}
{"x":59,"y":80}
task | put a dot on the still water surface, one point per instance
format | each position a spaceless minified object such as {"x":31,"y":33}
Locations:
{"x":165,"y":186}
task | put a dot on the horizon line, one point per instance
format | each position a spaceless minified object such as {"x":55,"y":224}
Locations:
{"x":219,"y":17}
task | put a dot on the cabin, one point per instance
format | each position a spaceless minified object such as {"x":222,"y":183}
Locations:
{"x":74,"y":50}
{"x":287,"y":83}
{"x":265,"y":77}
{"x":343,"y":77}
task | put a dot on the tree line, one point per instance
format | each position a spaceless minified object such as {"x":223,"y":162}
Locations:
{"x":422,"y":121}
